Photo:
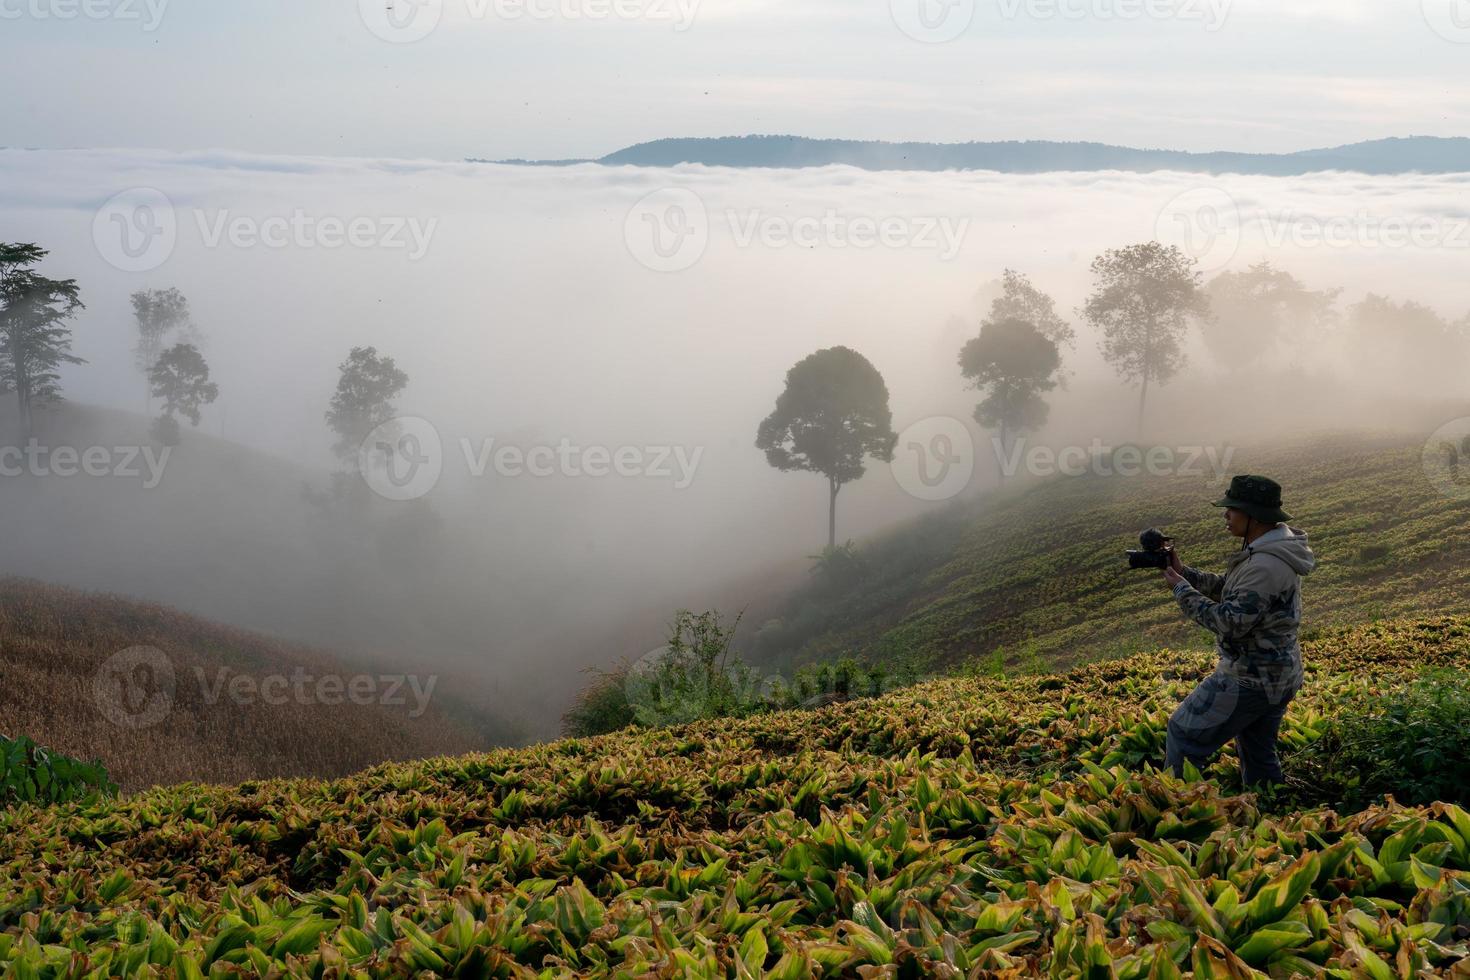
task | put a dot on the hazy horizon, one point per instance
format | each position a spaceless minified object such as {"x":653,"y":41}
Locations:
{"x":541,"y":308}
{"x":552,"y":79}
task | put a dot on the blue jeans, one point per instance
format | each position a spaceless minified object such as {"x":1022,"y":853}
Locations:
{"x":1220,"y":709}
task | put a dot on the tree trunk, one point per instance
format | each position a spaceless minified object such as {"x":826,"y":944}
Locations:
{"x":832,"y":512}
{"x":1142,"y":400}
{"x":1148,"y":363}
{"x":22,"y":391}
{"x":1005,"y":455}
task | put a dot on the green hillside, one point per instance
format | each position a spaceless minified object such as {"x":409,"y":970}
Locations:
{"x":1040,"y":567}
{"x":958,"y":828}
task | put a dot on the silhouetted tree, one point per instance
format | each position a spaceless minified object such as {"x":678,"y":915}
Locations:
{"x":1144,"y":298}
{"x":35,"y":339}
{"x":180,"y":377}
{"x":158,"y":314}
{"x":1255,"y":311}
{"x":1013,"y":363}
{"x":1019,"y":300}
{"x":833,"y":413}
{"x":366,"y":387}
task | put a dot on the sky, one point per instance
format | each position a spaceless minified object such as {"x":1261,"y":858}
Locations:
{"x":447,"y":79}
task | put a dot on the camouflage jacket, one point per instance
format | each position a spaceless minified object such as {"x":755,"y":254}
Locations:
{"x":1255,"y":608}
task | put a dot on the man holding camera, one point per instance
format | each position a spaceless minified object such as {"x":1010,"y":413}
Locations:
{"x":1254,"y":610}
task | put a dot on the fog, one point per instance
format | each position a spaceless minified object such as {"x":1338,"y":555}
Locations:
{"x":539,"y":313}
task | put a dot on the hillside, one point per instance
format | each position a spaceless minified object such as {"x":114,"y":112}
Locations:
{"x":1000,"y":828}
{"x":1038,"y":571}
{"x":1419,"y":154}
{"x":161,"y":697}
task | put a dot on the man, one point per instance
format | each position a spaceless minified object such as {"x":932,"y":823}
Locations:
{"x":1254,"y":610}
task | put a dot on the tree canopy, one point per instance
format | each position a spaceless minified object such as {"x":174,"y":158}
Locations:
{"x":35,"y":337}
{"x":1014,"y":363}
{"x":1144,"y":299}
{"x":832,"y":415}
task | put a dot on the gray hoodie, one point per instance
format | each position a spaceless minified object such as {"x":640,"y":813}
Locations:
{"x":1255,"y":608}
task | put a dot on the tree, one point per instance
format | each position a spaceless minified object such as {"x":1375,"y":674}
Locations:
{"x":1144,"y":298}
{"x":180,"y":377}
{"x":1014,"y":363}
{"x":1019,"y":300}
{"x":833,"y":413}
{"x":366,"y":387}
{"x":35,"y":339}
{"x":1407,"y":343}
{"x":158,"y":313}
{"x":1256,"y":311}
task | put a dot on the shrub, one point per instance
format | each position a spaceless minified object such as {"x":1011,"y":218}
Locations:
{"x":695,"y":677}
{"x":601,"y":707}
{"x":30,"y":774}
{"x":1411,"y":741}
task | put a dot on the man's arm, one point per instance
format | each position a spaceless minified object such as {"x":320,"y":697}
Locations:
{"x":1237,"y":612}
{"x":1207,"y":584}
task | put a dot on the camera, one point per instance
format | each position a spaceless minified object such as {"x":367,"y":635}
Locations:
{"x":1157,"y":548}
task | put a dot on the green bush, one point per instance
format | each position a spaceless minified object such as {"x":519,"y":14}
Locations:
{"x":30,"y":774}
{"x":697,"y":676}
{"x":1411,"y":741}
{"x":601,"y":707}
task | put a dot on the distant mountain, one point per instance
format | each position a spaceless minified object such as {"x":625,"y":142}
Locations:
{"x":1415,"y":154}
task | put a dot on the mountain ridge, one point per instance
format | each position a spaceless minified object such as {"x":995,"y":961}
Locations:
{"x":1392,"y":155}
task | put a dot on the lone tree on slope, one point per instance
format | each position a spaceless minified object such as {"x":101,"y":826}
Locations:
{"x":1014,"y":364}
{"x":833,"y":413}
{"x":1145,"y":297}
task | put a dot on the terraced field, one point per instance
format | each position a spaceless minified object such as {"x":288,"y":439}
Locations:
{"x":959,"y":828}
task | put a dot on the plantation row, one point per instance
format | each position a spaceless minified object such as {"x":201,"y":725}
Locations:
{"x":976,"y":827}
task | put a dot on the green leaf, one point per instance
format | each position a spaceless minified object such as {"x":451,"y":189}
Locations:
{"x":1284,"y":892}
{"x":1270,"y":940}
{"x":300,"y":938}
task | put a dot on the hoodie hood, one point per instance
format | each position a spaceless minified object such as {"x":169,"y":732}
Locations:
{"x":1290,"y":545}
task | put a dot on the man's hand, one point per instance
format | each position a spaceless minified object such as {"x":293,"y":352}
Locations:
{"x":1173,"y":577}
{"x":1175,"y":563}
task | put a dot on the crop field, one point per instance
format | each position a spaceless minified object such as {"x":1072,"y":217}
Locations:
{"x":977,"y":827}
